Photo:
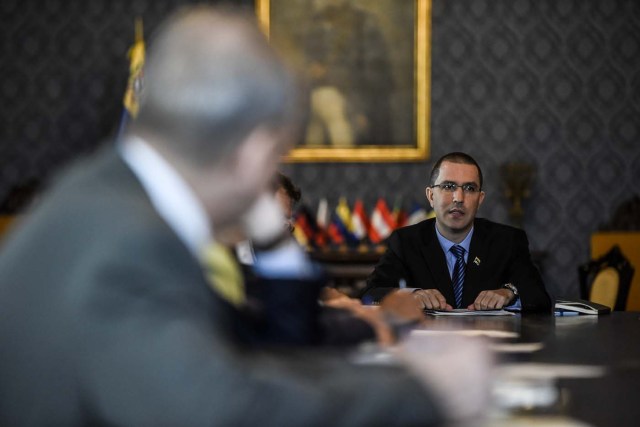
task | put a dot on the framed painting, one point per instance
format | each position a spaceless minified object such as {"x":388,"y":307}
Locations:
{"x":367,"y":64}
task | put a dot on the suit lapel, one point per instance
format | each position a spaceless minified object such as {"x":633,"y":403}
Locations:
{"x":474,"y":272}
{"x":436,"y":263}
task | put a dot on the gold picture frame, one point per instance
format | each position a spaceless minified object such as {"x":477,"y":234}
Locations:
{"x":378,"y":109}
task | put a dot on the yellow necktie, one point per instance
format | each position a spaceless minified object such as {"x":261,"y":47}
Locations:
{"x":224,"y":273}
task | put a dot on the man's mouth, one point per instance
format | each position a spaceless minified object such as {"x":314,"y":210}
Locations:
{"x":456,"y":212}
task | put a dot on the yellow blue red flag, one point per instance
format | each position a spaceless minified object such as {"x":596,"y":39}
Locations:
{"x":136,"y":56}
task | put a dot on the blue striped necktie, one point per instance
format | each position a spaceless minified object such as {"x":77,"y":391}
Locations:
{"x":458,"y":273}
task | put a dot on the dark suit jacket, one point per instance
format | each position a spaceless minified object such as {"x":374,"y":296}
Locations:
{"x":287,"y":312}
{"x":415,"y":255}
{"x":107,"y":319}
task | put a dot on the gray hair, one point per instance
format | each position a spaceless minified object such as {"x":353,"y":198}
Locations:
{"x":211,"y":78}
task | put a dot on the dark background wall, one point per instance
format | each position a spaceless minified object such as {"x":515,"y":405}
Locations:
{"x":552,"y":82}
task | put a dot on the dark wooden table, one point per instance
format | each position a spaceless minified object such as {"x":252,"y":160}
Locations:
{"x":611,"y":341}
{"x":348,"y":269}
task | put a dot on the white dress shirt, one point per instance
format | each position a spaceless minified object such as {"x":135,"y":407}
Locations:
{"x":177,"y":204}
{"x":171,"y":196}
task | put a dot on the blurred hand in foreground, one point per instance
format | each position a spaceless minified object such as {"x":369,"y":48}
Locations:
{"x":395,"y":312}
{"x":456,"y":369}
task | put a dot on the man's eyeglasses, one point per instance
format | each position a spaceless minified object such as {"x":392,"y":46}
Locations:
{"x":450,"y":187}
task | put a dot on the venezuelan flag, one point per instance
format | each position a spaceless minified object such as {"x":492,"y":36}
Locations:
{"x":134,"y":85}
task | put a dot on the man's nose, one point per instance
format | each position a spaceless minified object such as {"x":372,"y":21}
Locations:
{"x":458,"y":195}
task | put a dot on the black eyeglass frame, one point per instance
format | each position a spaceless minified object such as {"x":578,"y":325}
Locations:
{"x":451,"y":187}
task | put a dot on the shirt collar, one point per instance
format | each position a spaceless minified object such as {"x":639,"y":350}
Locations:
{"x":171,"y":196}
{"x":446,"y":243}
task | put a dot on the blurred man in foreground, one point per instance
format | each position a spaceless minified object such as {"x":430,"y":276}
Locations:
{"x":106,"y":317}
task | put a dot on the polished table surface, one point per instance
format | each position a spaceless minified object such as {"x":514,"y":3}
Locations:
{"x":611,"y":341}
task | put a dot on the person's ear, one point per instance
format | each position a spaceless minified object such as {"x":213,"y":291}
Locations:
{"x":429,"y":193}
{"x":481,"y":199}
{"x":258,"y":154}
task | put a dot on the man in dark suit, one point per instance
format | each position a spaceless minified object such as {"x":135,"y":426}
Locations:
{"x":457,"y":260}
{"x":106,"y":317}
{"x":339,"y":321}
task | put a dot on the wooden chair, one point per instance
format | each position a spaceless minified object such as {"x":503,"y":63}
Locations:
{"x":607,"y":280}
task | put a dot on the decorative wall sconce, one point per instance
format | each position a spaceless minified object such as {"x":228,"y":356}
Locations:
{"x":517,"y":177}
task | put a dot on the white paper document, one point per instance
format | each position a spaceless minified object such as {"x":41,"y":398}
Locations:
{"x":550,"y":370}
{"x":525,"y":347}
{"x":489,"y":333}
{"x":465,"y":312}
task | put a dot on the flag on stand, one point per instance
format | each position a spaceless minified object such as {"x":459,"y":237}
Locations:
{"x":382,"y":222}
{"x":343,"y":221}
{"x":304,"y":227}
{"x":322,"y":217}
{"x":322,"y":223}
{"x":300,"y":236}
{"x":359,"y":221}
{"x":343,"y":212}
{"x":134,"y":85}
{"x":417,"y":214}
{"x":399,"y":214}
{"x":336,"y":230}
{"x":306,"y":223}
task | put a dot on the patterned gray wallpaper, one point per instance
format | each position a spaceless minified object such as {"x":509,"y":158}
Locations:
{"x":552,"y":82}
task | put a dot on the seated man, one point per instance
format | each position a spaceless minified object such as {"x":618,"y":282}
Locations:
{"x":457,"y":260}
{"x":280,"y":312}
{"x":287,"y":195}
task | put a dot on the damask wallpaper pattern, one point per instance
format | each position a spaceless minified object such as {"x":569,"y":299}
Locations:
{"x":555,"y":83}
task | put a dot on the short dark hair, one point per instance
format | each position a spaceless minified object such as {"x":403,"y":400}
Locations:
{"x":455,"y":157}
{"x":284,"y":182}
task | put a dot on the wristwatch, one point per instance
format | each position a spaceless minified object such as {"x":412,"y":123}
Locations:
{"x":512,"y":289}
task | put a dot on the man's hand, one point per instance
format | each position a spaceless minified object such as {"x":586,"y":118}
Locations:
{"x":456,"y":369}
{"x":396,"y":310}
{"x":401,"y":308}
{"x":492,"y":300}
{"x":333,"y":298}
{"x":431,"y":299}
